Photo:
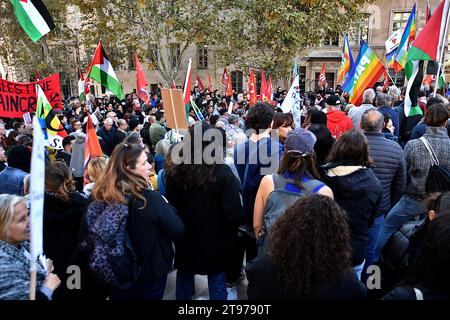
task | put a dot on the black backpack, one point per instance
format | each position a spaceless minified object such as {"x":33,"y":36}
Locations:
{"x":438,"y":179}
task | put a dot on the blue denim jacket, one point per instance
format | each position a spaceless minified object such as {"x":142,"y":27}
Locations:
{"x":11,"y":181}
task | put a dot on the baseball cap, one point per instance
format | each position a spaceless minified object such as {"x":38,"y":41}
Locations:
{"x":333,"y":101}
{"x":300,"y":142}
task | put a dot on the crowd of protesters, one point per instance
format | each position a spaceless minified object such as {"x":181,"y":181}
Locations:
{"x":302,"y":212}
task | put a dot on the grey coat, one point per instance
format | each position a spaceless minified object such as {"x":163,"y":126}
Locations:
{"x":389,"y":167}
{"x":15,"y":272}
{"x":419,"y":162}
{"x":77,"y":159}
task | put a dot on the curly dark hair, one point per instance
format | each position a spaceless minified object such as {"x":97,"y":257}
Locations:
{"x":190,"y":174}
{"x":259,"y":117}
{"x":310,"y":243}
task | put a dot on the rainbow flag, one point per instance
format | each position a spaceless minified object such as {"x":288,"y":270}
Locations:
{"x":347,"y":60}
{"x":409,"y":34}
{"x":366,"y":71}
{"x":390,"y":57}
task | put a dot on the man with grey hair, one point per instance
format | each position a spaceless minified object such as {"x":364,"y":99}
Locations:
{"x":356,"y":113}
{"x":389,"y":168}
{"x":384,"y":105}
{"x":107,"y":135}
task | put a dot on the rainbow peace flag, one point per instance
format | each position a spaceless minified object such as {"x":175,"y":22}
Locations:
{"x":347,"y":60}
{"x":366,"y":71}
{"x":390,"y":57}
{"x":409,"y":34}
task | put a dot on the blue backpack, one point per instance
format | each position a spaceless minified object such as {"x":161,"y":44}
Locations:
{"x":110,"y":252}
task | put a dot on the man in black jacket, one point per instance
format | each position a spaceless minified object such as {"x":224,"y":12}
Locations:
{"x":389,"y":167}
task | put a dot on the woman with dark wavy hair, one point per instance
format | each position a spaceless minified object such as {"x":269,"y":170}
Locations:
{"x":309,"y":256}
{"x":206,"y":195}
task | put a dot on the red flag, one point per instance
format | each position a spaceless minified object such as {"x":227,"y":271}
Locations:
{"x":187,"y":84}
{"x":269,"y":90}
{"x":322,"y":77}
{"x":225,"y":77}
{"x":199,"y":83}
{"x":209,"y":84}
{"x":229,"y":92}
{"x":92,"y":147}
{"x":141,"y":82}
{"x":386,"y":81}
{"x":263,"y":89}
{"x":252,"y":88}
{"x":174,"y":86}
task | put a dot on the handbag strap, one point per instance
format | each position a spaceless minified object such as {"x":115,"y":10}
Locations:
{"x":433,"y":157}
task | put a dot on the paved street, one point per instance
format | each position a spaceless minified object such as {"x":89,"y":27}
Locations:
{"x":201,"y":288}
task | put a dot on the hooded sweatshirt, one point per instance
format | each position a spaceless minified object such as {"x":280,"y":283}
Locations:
{"x":338,"y":123}
{"x":358,"y":192}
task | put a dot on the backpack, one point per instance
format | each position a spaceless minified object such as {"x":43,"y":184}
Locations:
{"x":110,"y":252}
{"x":438,"y":179}
{"x":281,"y":199}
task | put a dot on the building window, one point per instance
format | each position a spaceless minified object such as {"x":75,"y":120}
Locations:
{"x":398,"y":77}
{"x":399,"y":20}
{"x":175,"y":55}
{"x":202,"y":56}
{"x":329,"y":76}
{"x":302,"y":78}
{"x":258,"y":81}
{"x":360,"y":31}
{"x":331,"y":41}
{"x":153,"y":57}
{"x":131,"y":62}
{"x":236,"y":81}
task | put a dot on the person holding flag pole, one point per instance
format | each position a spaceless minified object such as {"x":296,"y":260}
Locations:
{"x":18,"y":256}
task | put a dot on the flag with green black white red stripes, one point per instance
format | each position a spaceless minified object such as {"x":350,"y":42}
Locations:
{"x":34,"y":18}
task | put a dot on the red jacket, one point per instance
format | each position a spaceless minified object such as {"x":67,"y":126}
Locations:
{"x":338,"y":123}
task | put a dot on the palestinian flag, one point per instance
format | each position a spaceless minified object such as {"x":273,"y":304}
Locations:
{"x":427,"y":47}
{"x":102,"y":71}
{"x":53,"y":130}
{"x":83,"y":89}
{"x":34,"y":18}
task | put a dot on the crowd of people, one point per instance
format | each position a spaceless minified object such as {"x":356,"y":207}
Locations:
{"x":300,"y":208}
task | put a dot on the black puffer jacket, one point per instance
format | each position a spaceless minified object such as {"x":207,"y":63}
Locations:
{"x":357,"y":191}
{"x":389,"y":167}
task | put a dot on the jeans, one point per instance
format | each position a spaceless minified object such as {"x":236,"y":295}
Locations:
{"x":245,"y":245}
{"x":406,"y":209}
{"x":145,"y":290}
{"x":374,"y":231}
{"x":216,"y":286}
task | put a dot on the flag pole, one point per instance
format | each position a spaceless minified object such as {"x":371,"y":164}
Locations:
{"x":32,"y":293}
{"x":441,"y":49}
{"x":387,"y":72}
